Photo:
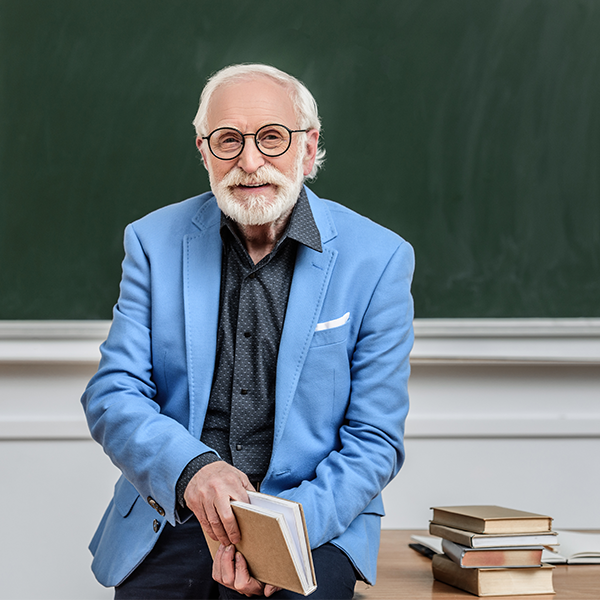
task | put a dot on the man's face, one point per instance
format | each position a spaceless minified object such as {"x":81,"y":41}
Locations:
{"x":254,"y":189}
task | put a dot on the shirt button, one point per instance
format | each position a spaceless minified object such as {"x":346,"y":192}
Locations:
{"x":252,"y":276}
{"x":247,"y":334}
{"x":238,"y":446}
{"x":243,"y":391}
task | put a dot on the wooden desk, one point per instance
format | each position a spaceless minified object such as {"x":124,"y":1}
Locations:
{"x":404,"y":574}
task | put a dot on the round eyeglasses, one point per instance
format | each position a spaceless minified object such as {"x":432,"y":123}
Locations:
{"x":227,"y":143}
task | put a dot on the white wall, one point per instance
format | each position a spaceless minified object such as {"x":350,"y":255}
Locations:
{"x":502,"y":412}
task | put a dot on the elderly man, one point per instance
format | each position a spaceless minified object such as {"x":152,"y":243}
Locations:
{"x":260,"y":340}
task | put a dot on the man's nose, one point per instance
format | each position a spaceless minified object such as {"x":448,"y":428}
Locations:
{"x":250,"y":160}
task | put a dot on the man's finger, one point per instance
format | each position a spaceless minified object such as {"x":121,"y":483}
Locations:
{"x":224,"y":566}
{"x":205,"y":524}
{"x":217,"y":528}
{"x":211,"y":523}
{"x":227,"y":522}
{"x":216,"y":569}
{"x":244,"y":583}
{"x":270,"y":590}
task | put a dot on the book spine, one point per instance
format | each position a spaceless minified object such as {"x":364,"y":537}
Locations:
{"x":472,"y":524}
{"x":453,"y":551}
{"x":459,"y":538}
{"x":445,"y":570}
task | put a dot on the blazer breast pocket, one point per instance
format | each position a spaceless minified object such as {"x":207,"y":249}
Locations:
{"x":325,"y":337}
{"x":324,"y":385}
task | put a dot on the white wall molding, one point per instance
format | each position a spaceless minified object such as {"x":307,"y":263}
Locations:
{"x":503,"y":426}
{"x":466,"y":341}
{"x":515,"y":341}
{"x":44,"y":427}
{"x":53,"y":330}
{"x":51,"y":341}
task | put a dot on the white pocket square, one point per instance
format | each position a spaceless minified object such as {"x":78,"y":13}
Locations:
{"x":331,"y":324}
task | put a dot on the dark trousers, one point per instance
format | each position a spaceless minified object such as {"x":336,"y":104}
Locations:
{"x":180,"y":566}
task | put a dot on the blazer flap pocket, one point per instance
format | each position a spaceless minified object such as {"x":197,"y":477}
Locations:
{"x":125,"y":496}
{"x":375,"y":507}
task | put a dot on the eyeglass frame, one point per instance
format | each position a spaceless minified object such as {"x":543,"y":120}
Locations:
{"x":245,"y":135}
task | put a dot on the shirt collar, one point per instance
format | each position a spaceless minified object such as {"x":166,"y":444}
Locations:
{"x":301,"y":227}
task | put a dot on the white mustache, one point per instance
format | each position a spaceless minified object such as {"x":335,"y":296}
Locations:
{"x":267,"y":174}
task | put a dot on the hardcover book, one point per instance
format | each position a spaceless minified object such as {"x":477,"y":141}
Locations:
{"x":482,"y":540}
{"x":491,"y":519}
{"x":274,"y":542}
{"x":494,"y":582}
{"x":484,"y":558}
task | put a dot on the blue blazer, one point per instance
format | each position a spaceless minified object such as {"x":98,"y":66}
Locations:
{"x":341,"y":382}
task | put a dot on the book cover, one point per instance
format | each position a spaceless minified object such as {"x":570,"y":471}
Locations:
{"x":494,"y":582}
{"x":491,"y":519}
{"x":485,"y":558}
{"x":274,"y":542}
{"x":475,"y":540}
{"x":428,"y":541}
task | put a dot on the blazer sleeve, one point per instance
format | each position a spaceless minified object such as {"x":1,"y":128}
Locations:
{"x":349,"y":480}
{"x":150,"y":448}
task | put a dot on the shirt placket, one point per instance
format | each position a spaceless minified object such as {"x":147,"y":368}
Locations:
{"x":244,"y":388}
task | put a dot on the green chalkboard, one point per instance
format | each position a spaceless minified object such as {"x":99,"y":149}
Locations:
{"x":470,"y":127}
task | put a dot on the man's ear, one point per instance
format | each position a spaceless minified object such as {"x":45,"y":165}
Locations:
{"x":312,"y":143}
{"x":202,"y":149}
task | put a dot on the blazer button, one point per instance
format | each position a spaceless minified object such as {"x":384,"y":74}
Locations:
{"x":156,"y":506}
{"x":156,"y":526}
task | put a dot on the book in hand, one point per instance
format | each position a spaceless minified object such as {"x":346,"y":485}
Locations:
{"x":494,"y":582}
{"x":575,"y":548}
{"x":484,"y":540}
{"x":485,"y":558}
{"x":491,"y":519}
{"x":274,"y":542}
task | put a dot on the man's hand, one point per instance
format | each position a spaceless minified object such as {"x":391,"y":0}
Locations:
{"x":231,"y":570}
{"x":208,"y":495}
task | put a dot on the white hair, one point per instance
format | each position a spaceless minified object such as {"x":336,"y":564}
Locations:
{"x":303,"y":101}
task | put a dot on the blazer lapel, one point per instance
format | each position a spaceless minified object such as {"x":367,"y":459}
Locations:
{"x":202,"y":284}
{"x":312,"y":274}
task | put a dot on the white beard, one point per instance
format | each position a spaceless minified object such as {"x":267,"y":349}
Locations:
{"x":257,"y":209}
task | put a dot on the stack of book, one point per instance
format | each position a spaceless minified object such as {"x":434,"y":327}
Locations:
{"x":492,"y":551}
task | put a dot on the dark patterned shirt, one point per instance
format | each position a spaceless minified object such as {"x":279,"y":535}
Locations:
{"x":240,"y":417}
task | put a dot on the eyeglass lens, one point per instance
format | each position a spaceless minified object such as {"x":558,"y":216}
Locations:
{"x":272,"y":140}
